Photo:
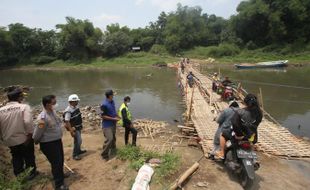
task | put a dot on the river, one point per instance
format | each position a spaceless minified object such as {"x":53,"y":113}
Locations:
{"x":153,"y":91}
{"x":155,"y":95}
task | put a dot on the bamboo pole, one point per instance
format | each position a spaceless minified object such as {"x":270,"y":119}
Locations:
{"x":261,"y":98}
{"x":190,"y":106}
{"x":184,"y":176}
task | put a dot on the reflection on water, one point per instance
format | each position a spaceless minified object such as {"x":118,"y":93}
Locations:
{"x":154,"y":97}
{"x":288,"y":102}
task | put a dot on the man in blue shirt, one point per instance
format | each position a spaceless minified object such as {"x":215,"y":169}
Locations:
{"x":109,"y":120}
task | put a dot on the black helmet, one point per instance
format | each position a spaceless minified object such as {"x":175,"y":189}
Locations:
{"x":250,"y":100}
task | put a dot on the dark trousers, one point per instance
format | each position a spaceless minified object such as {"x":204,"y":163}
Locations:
{"x":54,"y":153}
{"x":23,"y":157}
{"x":77,"y":143}
{"x":110,"y":143}
{"x":134,"y":133}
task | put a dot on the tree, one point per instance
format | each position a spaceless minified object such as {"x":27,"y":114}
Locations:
{"x":79,"y":39}
{"x":116,"y":43}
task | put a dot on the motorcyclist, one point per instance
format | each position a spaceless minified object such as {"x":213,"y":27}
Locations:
{"x":224,"y":121}
{"x":244,"y":124}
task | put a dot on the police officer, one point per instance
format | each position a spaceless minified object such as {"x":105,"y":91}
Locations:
{"x":126,"y":121}
{"x":109,"y":120}
{"x":16,"y":128}
{"x":48,"y":133}
{"x":73,"y":123}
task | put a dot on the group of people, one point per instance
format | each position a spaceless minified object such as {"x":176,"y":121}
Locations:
{"x":20,"y":133}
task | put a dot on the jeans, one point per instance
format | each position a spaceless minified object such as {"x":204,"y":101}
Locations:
{"x":54,"y":153}
{"x":134,"y":132}
{"x":23,"y":157}
{"x":77,"y":143}
{"x":110,"y":143}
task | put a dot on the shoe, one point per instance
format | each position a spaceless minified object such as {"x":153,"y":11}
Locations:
{"x":106,"y":158}
{"x":63,"y":187}
{"x":76,"y":158}
{"x":66,"y":175}
{"x":83,"y":151}
{"x":32,"y":176}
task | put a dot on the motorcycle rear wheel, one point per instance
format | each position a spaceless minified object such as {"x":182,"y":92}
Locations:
{"x":245,"y":181}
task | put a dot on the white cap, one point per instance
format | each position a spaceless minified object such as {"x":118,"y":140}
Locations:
{"x":73,"y":98}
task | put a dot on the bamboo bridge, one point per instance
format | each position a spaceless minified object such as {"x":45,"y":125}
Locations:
{"x":203,"y":105}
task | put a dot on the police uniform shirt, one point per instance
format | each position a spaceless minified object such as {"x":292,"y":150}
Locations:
{"x":15,"y":123}
{"x":48,"y":127}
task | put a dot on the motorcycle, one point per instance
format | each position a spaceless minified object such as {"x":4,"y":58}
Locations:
{"x":228,"y":93}
{"x":242,"y":161}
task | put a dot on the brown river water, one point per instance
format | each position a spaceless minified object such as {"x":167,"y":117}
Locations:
{"x":155,"y":95}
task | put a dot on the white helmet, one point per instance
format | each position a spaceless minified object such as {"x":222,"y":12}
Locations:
{"x":73,"y":98}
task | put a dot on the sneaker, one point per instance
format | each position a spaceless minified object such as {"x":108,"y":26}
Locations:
{"x":83,"y":151}
{"x":76,"y":158}
{"x":63,"y":187}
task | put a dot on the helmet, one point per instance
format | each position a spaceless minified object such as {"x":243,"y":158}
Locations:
{"x":73,"y":98}
{"x":250,"y":100}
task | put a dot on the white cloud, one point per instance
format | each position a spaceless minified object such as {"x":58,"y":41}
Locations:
{"x":105,"y":19}
{"x":139,"y":2}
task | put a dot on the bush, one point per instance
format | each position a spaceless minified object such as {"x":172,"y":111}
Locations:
{"x":40,"y":60}
{"x":158,"y":49}
{"x":223,"y":50}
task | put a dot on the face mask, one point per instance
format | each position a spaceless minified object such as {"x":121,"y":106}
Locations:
{"x":54,"y":106}
{"x":128,"y":103}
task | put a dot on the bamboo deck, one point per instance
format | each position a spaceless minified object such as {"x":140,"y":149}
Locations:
{"x":273,"y":138}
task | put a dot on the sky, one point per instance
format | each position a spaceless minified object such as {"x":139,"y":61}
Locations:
{"x":46,"y":14}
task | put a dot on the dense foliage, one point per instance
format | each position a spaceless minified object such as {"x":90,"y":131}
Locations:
{"x":272,"y":24}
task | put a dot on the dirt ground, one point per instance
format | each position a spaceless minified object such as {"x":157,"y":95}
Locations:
{"x":93,"y":173}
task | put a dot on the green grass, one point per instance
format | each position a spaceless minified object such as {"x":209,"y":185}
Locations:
{"x":129,"y":60}
{"x":20,"y":182}
{"x":137,"y":157}
{"x":247,"y":56}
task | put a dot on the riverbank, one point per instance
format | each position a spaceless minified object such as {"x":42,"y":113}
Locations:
{"x":146,"y":59}
{"x":231,"y":55}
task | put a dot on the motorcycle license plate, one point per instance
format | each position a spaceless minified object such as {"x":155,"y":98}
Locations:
{"x":246,"y":154}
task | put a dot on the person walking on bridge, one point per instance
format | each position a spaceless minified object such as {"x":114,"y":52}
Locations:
{"x":16,"y":128}
{"x":126,"y":121}
{"x":190,"y":79}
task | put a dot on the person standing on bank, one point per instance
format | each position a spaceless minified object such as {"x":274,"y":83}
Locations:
{"x":126,"y":121}
{"x":73,"y":123}
{"x":109,"y":120}
{"x":48,"y":133}
{"x":16,"y":128}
